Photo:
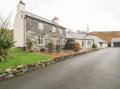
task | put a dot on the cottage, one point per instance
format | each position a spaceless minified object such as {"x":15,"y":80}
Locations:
{"x":86,"y":40}
{"x":81,"y":38}
{"x":115,"y":42}
{"x":99,"y":42}
{"x":40,"y":31}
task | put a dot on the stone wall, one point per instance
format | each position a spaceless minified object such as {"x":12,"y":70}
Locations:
{"x":32,"y":32}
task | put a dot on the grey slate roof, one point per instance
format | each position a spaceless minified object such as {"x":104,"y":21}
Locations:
{"x":96,"y":38}
{"x":42,"y":19}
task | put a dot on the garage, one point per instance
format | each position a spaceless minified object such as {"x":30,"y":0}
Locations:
{"x":116,"y":42}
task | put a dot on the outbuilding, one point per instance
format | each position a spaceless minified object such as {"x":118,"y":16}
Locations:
{"x":115,"y":42}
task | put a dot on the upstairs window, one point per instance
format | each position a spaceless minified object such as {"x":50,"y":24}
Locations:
{"x":60,"y":30}
{"x":53,"y":29}
{"x":40,"y":26}
{"x":63,"y":42}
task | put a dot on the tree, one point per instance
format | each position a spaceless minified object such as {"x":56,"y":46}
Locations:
{"x":50,"y":47}
{"x":69,"y":44}
{"x":94,"y":45}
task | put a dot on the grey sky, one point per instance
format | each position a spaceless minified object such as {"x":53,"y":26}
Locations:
{"x":74,"y":14}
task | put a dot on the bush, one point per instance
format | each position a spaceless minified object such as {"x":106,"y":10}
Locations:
{"x":58,"y":48}
{"x":76,"y":46}
{"x":109,"y":44}
{"x":29,"y":45}
{"x":94,"y":45}
{"x":69,"y":44}
{"x":6,"y":43}
{"x":50,"y":47}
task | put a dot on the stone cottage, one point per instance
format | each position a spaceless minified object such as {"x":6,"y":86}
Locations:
{"x":40,"y":31}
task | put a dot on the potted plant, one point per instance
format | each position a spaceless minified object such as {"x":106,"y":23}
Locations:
{"x":76,"y":47}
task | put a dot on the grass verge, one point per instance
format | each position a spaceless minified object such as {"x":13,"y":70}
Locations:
{"x":18,"y":57}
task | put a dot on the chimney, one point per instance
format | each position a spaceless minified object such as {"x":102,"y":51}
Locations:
{"x":21,"y":6}
{"x":55,"y":20}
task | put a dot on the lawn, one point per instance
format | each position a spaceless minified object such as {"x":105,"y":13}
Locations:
{"x":18,"y":57}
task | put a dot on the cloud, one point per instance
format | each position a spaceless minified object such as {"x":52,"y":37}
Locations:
{"x":74,"y":14}
{"x":106,"y":4}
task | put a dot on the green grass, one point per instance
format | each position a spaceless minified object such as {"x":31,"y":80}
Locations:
{"x":18,"y":57}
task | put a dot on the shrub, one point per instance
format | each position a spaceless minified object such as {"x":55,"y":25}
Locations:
{"x":109,"y":44}
{"x":76,"y":46}
{"x":94,"y":45}
{"x":58,"y":48}
{"x":29,"y":45}
{"x":69,"y":44}
{"x":6,"y":40}
{"x":6,"y":43}
{"x":50,"y":47}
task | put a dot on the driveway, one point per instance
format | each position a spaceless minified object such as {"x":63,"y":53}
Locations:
{"x":97,"y":70}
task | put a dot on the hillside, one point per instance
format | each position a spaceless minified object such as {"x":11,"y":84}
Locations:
{"x":107,"y":36}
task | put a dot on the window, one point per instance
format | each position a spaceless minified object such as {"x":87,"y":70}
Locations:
{"x":60,"y":31}
{"x":40,"y":26}
{"x":63,"y":42}
{"x":40,"y":40}
{"x":53,"y":29}
{"x":89,"y":42}
{"x":82,"y":43}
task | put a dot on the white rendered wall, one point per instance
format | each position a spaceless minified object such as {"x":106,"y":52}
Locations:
{"x":19,"y":33}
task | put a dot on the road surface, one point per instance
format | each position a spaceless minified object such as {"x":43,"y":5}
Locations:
{"x":97,"y":70}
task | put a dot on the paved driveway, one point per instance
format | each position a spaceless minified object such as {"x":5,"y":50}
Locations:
{"x":97,"y":70}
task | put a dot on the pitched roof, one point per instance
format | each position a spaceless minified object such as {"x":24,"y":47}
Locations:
{"x":96,"y":38}
{"x":42,"y":19}
{"x":76,"y":35}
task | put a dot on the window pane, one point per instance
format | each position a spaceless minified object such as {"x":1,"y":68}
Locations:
{"x":60,"y":30}
{"x":40,"y":39}
{"x":40,"y":26}
{"x":53,"y":29}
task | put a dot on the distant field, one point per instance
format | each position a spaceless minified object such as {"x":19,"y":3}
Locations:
{"x":107,"y":36}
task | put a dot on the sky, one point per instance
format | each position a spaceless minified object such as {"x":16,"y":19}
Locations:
{"x":100,"y":15}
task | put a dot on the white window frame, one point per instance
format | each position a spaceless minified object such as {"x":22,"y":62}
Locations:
{"x":61,"y":31}
{"x":89,"y":42}
{"x":63,"y":41}
{"x":40,"y":25}
{"x":53,"y":29}
{"x":41,"y":37}
{"x":83,"y":43}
